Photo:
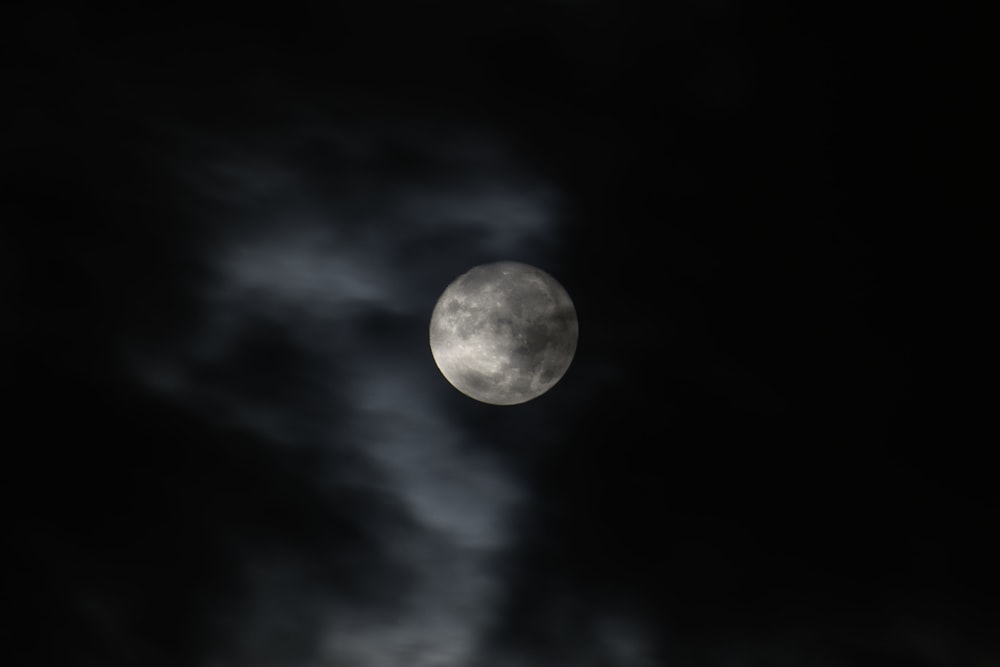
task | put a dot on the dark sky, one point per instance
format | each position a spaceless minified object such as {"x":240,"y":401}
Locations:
{"x":227,"y":444}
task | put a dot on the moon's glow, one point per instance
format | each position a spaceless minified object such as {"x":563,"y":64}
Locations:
{"x":504,"y":333}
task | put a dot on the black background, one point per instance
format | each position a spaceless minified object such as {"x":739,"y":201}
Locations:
{"x":779,"y":242}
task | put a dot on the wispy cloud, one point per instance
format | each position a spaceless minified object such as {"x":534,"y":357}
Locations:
{"x":347,"y":278}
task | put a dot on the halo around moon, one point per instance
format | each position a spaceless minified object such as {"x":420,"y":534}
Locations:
{"x":504,"y":333}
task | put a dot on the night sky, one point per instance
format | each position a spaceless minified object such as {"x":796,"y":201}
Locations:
{"x":226,"y":443}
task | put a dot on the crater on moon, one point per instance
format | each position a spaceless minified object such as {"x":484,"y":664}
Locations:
{"x":504,"y":333}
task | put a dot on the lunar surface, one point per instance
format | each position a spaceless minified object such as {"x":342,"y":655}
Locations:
{"x":504,"y":333}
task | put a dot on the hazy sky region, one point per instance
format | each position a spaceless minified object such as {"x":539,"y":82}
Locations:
{"x":228,"y":444}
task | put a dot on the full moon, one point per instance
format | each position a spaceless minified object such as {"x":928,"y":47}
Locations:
{"x":503,"y":333}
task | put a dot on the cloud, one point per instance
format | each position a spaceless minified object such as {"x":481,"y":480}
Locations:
{"x":338,"y":281}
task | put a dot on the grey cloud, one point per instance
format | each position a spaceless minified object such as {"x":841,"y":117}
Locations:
{"x":318,"y":268}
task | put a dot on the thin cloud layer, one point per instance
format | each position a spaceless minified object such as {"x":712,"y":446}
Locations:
{"x":346,"y":277}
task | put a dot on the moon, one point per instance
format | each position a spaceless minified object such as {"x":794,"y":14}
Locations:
{"x":504,"y":333}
